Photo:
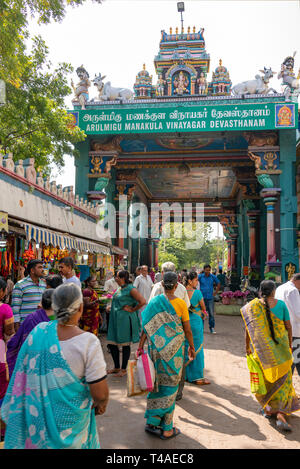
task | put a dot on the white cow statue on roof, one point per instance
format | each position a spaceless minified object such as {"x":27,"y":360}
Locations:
{"x":109,"y":93}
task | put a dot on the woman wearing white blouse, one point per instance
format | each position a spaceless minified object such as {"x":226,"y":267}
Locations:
{"x":289,"y":293}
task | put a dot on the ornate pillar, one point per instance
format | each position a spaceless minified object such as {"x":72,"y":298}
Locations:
{"x":150,"y":254}
{"x":268,"y":172}
{"x":228,"y":241}
{"x":233,"y":248}
{"x":298,"y":209}
{"x":288,"y":202}
{"x":273,"y":264}
{"x":155,"y":242}
{"x":253,"y":217}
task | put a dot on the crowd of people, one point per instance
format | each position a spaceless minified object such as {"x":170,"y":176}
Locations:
{"x":53,"y":375}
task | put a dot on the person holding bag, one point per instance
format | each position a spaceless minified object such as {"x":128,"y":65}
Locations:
{"x":165,"y":323}
{"x":269,"y":332}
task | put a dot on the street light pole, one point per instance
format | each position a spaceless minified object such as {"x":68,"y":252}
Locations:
{"x":180,"y":9}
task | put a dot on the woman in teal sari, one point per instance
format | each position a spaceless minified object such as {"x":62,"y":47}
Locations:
{"x":124,"y":324}
{"x":165,"y":323}
{"x":57,"y":387}
{"x":194,"y":371}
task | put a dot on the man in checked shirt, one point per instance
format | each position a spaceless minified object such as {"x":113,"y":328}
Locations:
{"x":27,"y":293}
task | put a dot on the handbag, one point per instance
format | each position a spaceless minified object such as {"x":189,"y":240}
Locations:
{"x":257,"y":381}
{"x":133,"y":386}
{"x":145,"y":372}
{"x":192,"y":310}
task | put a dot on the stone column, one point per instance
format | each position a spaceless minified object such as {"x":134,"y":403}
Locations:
{"x":298,"y":209}
{"x":288,"y":201}
{"x":155,"y":241}
{"x":252,"y":217}
{"x":228,"y":241}
{"x":233,"y":251}
{"x":270,"y":198}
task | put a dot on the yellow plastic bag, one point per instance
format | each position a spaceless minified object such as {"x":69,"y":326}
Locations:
{"x":133,"y":386}
{"x":257,"y":381}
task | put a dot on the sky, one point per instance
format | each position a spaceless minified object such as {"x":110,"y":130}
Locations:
{"x":117,"y":37}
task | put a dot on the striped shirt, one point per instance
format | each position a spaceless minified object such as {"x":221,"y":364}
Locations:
{"x":26,"y":296}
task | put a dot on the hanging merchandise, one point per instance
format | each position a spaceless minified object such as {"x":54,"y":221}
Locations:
{"x":28,"y":254}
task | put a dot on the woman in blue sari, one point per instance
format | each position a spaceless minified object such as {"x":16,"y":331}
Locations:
{"x":58,"y":384}
{"x":165,"y":323}
{"x":194,"y":371}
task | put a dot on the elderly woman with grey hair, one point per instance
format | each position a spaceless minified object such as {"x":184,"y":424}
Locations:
{"x":59,"y":382}
{"x":180,"y":291}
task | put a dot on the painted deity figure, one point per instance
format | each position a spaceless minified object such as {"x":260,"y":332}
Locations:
{"x":181,"y":83}
{"x":289,"y":79}
{"x":202,"y":83}
{"x":81,"y":88}
{"x":160,"y":88}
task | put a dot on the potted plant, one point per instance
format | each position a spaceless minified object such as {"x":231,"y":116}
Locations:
{"x":240,"y":296}
{"x":226,"y":297}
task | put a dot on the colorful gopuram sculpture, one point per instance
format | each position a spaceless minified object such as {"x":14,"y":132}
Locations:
{"x":182,"y":63}
{"x":182,"y":66}
{"x":81,"y":89}
{"x":221,"y":83}
{"x":143,"y":87}
{"x":289,"y":79}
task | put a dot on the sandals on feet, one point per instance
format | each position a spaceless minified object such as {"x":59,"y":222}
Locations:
{"x":176,"y":432}
{"x":264,"y":414}
{"x":113,"y":371}
{"x":154,"y":430}
{"x":201,"y":382}
{"x":121,"y":373}
{"x":283,"y":426}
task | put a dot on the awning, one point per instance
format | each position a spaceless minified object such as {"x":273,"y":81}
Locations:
{"x":120,"y":251}
{"x":61,"y":240}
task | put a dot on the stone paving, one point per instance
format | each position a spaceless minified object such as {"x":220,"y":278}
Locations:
{"x":221,"y":415}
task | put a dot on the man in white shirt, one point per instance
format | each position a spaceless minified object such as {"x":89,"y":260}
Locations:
{"x":143,"y":284}
{"x":110,"y":285}
{"x":66,"y":270}
{"x":180,"y":291}
{"x":289,"y":293}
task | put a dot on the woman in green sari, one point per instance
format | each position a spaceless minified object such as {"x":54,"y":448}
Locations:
{"x":124,"y":326}
{"x":165,"y":323}
{"x":269,"y":332}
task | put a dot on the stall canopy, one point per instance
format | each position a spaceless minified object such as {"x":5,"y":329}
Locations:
{"x":120,"y":251}
{"x":63,"y":241}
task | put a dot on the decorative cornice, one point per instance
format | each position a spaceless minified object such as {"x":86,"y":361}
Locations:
{"x":48,"y":193}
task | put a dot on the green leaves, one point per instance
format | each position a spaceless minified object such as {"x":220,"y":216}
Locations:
{"x":173,"y":247}
{"x":34,"y":122}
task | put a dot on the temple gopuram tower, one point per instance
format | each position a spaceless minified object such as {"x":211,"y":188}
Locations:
{"x":181,"y":63}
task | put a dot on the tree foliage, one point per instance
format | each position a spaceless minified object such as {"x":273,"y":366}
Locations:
{"x":34,"y":121}
{"x":175,"y":245}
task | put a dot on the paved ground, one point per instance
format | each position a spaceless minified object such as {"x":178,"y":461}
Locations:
{"x":221,"y":415}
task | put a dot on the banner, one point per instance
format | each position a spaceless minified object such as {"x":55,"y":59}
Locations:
{"x":3,"y":221}
{"x":186,"y":118}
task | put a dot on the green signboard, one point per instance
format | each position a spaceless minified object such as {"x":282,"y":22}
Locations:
{"x":186,"y":118}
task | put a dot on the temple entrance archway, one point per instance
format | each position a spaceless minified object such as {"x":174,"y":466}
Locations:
{"x":189,"y":141}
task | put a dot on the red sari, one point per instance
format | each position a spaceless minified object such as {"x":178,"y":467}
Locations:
{"x":90,"y":318}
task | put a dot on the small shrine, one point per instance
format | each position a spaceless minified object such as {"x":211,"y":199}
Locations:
{"x":143,"y":85}
{"x":221,"y":83}
{"x":182,"y":63}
